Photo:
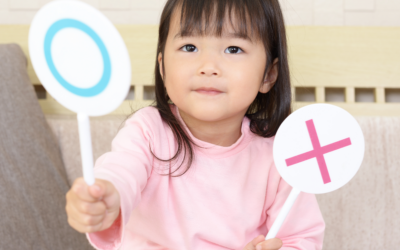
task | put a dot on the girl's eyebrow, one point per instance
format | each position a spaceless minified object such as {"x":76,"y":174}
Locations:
{"x":229,"y":35}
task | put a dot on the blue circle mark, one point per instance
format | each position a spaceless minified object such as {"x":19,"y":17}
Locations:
{"x":71,"y":23}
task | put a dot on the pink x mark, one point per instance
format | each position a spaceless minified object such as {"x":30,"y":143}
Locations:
{"x":318,"y":151}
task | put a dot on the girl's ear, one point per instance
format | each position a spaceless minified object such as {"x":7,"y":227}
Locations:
{"x":270,"y":79}
{"x":160,"y":63}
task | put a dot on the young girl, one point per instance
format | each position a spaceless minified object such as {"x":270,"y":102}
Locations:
{"x":222,"y":91}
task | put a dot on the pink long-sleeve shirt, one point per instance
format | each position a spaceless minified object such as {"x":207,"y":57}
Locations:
{"x":229,"y":196}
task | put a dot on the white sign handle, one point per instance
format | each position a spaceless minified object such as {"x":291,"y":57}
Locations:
{"x":283,"y":213}
{"x":86,"y":148}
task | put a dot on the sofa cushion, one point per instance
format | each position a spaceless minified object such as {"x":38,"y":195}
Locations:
{"x":33,"y":180}
{"x":65,"y":127}
{"x":364,"y":214}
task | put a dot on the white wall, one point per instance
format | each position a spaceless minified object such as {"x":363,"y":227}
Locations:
{"x":118,"y":11}
{"x":297,"y":12}
{"x":342,"y":12}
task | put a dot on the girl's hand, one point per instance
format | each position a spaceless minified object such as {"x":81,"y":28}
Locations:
{"x":90,"y":210}
{"x":259,"y":243}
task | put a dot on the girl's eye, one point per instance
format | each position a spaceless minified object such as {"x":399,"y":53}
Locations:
{"x":189,"y":47}
{"x":232,"y":49}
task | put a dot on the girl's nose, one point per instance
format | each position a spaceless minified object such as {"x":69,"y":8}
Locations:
{"x":209,"y":72}
{"x":209,"y":66}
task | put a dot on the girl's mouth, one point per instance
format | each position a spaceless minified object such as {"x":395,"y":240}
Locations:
{"x":204,"y":92}
{"x":208,"y":91}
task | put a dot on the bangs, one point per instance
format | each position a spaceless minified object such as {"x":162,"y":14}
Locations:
{"x":194,"y":14}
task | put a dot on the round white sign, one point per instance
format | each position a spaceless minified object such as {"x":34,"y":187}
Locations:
{"x":79,"y":57}
{"x":318,"y":148}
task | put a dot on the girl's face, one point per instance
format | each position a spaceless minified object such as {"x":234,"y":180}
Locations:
{"x":233,"y":66}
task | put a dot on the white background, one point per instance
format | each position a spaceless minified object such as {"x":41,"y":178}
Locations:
{"x":297,"y":12}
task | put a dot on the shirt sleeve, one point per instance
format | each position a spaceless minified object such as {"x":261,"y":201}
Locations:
{"x":304,"y":226}
{"x":127,"y":166}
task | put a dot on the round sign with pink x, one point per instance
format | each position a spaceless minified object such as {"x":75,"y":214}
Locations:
{"x":317,"y":149}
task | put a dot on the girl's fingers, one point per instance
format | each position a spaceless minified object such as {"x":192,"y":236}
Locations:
{"x":81,"y":190}
{"x":97,"y":208}
{"x":84,"y":228}
{"x":254,"y":242}
{"x":271,"y":244}
{"x":84,"y":219}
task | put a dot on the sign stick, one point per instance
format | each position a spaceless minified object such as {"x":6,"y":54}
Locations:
{"x":283,"y":213}
{"x":86,"y":148}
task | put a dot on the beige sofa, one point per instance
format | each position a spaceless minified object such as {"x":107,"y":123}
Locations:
{"x":364,"y":214}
